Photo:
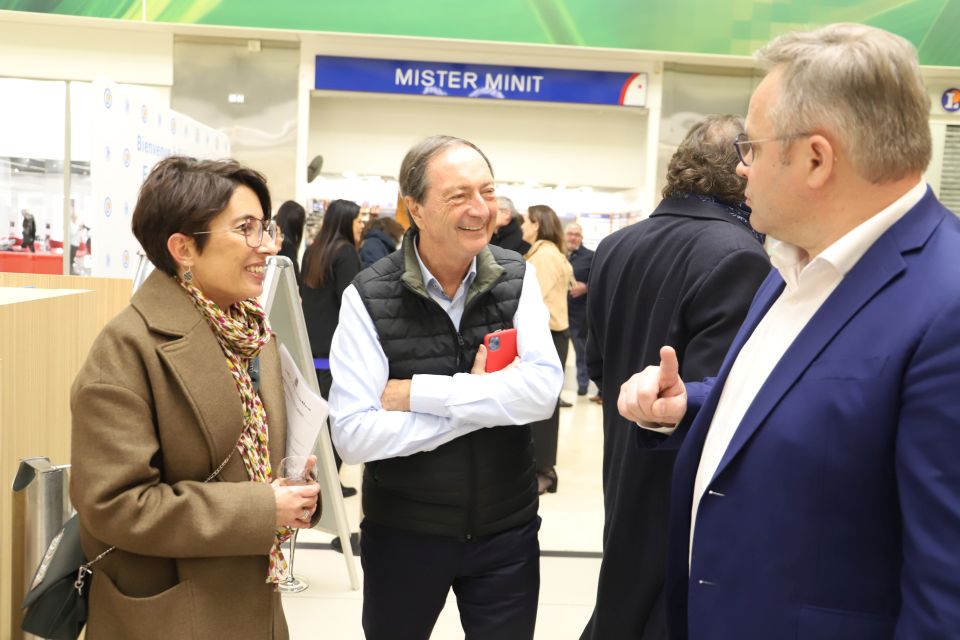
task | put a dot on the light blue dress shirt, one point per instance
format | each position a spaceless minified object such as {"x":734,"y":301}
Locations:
{"x":442,"y":408}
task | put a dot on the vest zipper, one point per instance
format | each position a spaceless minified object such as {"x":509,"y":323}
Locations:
{"x":472,"y":489}
{"x":461,"y":361}
{"x":472,"y":470}
{"x":463,"y":366}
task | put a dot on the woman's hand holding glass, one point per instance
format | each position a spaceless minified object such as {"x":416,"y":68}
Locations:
{"x":296,"y":491}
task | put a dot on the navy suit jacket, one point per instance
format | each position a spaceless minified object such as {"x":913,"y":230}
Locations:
{"x":835,"y":511}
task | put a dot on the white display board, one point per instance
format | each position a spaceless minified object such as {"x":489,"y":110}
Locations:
{"x":129,"y":133}
{"x":597,"y":226}
{"x":281,"y":301}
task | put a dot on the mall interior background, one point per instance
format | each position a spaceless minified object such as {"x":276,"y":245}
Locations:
{"x":246,"y":71}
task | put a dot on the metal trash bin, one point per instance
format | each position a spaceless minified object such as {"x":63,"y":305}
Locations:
{"x":47,"y":507}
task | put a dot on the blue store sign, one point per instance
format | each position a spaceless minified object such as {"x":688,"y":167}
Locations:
{"x":335,"y":73}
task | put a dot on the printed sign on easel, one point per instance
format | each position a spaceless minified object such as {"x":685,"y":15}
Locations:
{"x":281,"y":300}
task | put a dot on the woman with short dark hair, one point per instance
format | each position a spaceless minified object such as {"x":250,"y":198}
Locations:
{"x":177,"y":437}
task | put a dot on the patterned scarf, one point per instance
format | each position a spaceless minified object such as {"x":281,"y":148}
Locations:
{"x":242,"y":332}
{"x":739,"y":211}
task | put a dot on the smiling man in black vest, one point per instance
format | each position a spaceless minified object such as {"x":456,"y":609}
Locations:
{"x":449,"y":490}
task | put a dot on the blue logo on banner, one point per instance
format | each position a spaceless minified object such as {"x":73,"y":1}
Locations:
{"x":106,"y":260}
{"x":159,"y":120}
{"x":107,"y":207}
{"x":336,"y":73}
{"x":144,"y":113}
{"x":126,"y":157}
{"x":951,"y":100}
{"x":126,"y":209}
{"x":106,"y":153}
{"x":126,"y":106}
{"x":107,"y":98}
{"x":173,"y":125}
{"x":125,"y":259}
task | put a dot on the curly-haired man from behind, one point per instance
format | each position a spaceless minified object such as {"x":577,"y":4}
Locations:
{"x":685,"y":278}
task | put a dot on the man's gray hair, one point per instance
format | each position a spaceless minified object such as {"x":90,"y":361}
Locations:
{"x":706,"y":161}
{"x":860,"y":84}
{"x":413,"y":169}
{"x":503,"y":202}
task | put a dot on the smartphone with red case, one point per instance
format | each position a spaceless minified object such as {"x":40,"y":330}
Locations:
{"x":501,"y":349}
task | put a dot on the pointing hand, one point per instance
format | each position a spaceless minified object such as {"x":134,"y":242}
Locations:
{"x":656,"y":394}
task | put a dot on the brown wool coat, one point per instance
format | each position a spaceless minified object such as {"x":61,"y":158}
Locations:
{"x":155,"y":411}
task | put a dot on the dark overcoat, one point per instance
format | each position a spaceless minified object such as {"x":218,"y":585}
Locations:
{"x":685,"y":278}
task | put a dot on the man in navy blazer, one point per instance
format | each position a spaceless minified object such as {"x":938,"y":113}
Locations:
{"x":816,"y":493}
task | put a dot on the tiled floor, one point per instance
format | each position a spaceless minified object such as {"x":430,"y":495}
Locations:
{"x":572,"y":522}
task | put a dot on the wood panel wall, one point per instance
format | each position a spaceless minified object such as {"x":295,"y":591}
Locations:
{"x":47,"y":324}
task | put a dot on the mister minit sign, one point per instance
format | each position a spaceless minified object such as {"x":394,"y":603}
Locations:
{"x":336,"y":73}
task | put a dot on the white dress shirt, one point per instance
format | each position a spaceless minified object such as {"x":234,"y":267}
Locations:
{"x":808,"y":285}
{"x":442,"y":408}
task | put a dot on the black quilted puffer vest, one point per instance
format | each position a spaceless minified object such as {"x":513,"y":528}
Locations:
{"x":478,"y":484}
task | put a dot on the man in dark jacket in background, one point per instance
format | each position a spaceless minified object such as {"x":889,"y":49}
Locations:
{"x":581,"y":260}
{"x":381,"y":237}
{"x":509,"y":235}
{"x":29,"y":236}
{"x":685,"y":278}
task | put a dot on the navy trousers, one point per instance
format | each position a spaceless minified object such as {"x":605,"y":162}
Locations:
{"x":580,"y":349}
{"x":407,"y":576}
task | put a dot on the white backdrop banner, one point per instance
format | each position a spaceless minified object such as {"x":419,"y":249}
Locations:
{"x":129,"y":133}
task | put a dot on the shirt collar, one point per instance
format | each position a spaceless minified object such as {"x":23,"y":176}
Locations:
{"x":433,"y":285}
{"x":842,"y":255}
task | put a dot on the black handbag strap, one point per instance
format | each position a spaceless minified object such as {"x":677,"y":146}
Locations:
{"x":254,"y":371}
{"x":85,"y":567}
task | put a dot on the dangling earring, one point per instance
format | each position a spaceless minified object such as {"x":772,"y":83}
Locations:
{"x":188,"y":276}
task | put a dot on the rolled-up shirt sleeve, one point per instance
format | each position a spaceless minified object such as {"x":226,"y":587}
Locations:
{"x":442,"y":407}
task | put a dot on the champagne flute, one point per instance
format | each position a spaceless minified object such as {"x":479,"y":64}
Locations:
{"x":295,"y":470}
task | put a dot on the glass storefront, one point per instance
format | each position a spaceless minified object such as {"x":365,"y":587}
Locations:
{"x":40,"y":230}
{"x":32,"y":137}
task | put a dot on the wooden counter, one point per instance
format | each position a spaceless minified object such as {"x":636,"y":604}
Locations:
{"x":47,"y":323}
